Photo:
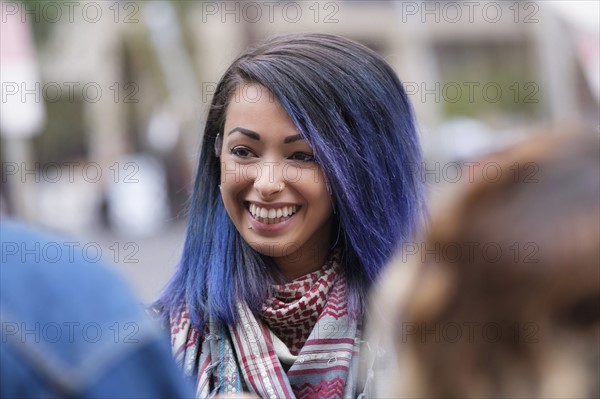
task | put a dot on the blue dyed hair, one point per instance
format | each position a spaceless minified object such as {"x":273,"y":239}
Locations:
{"x":353,"y":111}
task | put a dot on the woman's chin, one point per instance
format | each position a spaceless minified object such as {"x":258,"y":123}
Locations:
{"x":274,"y":249}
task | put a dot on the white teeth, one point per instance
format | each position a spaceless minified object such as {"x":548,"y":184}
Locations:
{"x":271,"y":215}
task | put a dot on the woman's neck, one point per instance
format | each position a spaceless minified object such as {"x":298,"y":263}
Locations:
{"x":293,"y":267}
{"x":308,"y":258}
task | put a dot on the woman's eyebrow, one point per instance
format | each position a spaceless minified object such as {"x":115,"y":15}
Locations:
{"x":246,"y":132}
{"x":255,"y":136}
{"x":291,"y":139}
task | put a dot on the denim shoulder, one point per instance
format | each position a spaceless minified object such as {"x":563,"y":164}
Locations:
{"x":71,"y":326}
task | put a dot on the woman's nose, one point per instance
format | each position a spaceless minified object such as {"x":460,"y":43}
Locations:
{"x":269,"y":180}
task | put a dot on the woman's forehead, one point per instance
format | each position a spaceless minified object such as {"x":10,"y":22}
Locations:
{"x":254,"y":109}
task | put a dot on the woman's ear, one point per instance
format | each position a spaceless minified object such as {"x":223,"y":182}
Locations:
{"x":218,"y":145}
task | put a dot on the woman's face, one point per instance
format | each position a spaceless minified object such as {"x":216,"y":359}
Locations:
{"x":274,"y":191}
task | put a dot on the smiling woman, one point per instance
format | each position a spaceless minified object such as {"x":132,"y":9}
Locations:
{"x":276,"y":196}
{"x":303,"y":193}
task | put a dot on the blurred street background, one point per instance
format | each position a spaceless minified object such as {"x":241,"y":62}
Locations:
{"x":103,"y":102}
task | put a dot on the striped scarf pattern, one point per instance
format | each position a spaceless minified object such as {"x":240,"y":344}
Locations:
{"x":241,"y":357}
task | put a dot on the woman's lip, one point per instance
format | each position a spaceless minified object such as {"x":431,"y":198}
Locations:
{"x":271,"y":206}
{"x":268,"y":228}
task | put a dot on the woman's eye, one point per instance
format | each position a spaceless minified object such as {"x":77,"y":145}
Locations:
{"x":241,"y":152}
{"x":302,"y":156}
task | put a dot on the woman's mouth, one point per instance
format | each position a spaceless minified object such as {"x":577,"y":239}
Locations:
{"x":272,"y":215}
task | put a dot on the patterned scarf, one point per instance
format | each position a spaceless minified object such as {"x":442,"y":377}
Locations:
{"x":241,"y":357}
{"x":295,"y":307}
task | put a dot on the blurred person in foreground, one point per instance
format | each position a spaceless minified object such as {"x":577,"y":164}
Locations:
{"x":503,"y":297}
{"x":72,"y":328}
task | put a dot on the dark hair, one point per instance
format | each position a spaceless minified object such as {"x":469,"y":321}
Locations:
{"x":353,"y":111}
{"x":519,"y":254}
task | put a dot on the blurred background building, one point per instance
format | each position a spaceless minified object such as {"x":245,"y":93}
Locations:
{"x":103,"y":101}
